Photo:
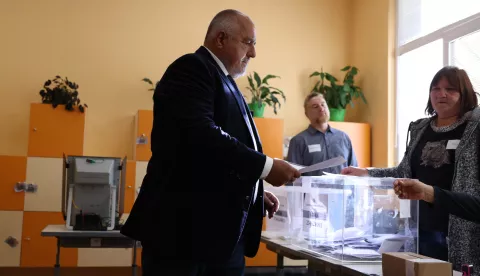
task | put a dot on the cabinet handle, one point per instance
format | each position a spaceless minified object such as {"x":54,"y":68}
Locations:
{"x":27,"y":238}
{"x":34,"y":129}
{"x":129,"y":186}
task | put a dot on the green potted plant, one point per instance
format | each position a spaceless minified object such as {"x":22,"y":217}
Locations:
{"x":338,"y":95}
{"x":263,"y":94}
{"x":59,"y":91}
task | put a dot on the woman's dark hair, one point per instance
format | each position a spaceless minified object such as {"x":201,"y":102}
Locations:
{"x":460,"y":81}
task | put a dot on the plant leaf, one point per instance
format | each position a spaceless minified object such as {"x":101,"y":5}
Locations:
{"x":257,"y":79}
{"x":147,"y":80}
{"x":250,"y":81}
{"x":265,"y":91}
{"x":346,"y":68}
{"x":363,"y":98}
{"x":265,"y":80}
{"x":354,"y":71}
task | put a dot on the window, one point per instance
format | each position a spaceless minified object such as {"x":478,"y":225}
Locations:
{"x":417,"y":18}
{"x":430,"y":35}
{"x":416,"y":69}
{"x":465,"y":53}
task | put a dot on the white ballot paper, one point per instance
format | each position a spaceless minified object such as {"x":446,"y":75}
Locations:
{"x":320,"y":166}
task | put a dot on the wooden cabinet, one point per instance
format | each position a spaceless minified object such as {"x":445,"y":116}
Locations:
{"x":53,"y":132}
{"x":12,"y":170}
{"x":11,"y":226}
{"x":46,"y":173}
{"x":101,"y":257}
{"x":129,"y":186}
{"x":360,"y":135}
{"x":143,"y":129}
{"x":140,"y":172}
{"x":271,"y":134}
{"x":38,"y":251}
{"x":270,"y":131}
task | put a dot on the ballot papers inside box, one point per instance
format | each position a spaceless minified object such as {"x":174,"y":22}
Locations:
{"x":348,"y":218}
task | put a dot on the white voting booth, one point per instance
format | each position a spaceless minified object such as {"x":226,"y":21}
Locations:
{"x":347,"y":218}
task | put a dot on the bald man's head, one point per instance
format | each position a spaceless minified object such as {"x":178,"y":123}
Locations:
{"x":231,"y":37}
{"x":226,"y":20}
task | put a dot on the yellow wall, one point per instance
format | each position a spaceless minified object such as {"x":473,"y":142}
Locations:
{"x":372,"y":50}
{"x":107,"y":47}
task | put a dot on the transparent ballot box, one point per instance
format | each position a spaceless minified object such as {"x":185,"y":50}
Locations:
{"x":347,"y":218}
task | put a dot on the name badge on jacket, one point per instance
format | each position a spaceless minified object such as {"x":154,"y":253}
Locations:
{"x":314,"y":148}
{"x":452,"y":144}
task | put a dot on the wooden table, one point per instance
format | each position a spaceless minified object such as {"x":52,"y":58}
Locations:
{"x":319,"y":265}
{"x":88,"y":239}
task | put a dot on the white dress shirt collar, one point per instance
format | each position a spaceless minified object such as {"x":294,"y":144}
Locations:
{"x":218,"y":61}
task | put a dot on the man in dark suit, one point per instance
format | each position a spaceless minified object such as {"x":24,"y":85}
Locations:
{"x":202,"y":202}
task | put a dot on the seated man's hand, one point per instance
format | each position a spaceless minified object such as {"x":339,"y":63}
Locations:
{"x":281,"y":173}
{"x":271,"y":203}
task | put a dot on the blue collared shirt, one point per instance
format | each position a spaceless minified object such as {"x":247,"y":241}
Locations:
{"x":312,"y":146}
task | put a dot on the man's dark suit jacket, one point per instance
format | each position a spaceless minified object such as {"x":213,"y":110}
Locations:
{"x":197,"y":193}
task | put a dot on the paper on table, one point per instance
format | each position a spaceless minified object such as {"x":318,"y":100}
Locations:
{"x":359,"y":253}
{"x":391,"y":246}
{"x":321,"y":165}
{"x":404,"y":208}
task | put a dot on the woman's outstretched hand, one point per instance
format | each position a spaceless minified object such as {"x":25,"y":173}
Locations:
{"x":413,"y":189}
{"x":354,"y":171}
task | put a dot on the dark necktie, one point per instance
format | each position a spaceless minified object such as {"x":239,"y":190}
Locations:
{"x":246,"y":116}
{"x":244,"y":109}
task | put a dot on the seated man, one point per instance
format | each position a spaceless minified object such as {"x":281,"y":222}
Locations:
{"x":320,"y":142}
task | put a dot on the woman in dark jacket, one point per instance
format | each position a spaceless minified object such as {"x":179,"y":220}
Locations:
{"x":441,"y":169}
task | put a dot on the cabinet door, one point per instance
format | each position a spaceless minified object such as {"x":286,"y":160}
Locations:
{"x":270,"y":131}
{"x":360,"y":136}
{"x":95,"y":257}
{"x":140,"y":172}
{"x":264,"y":256}
{"x":38,"y":251}
{"x":55,"y":131}
{"x":143,"y":127}
{"x":11,"y":226}
{"x":271,"y":134}
{"x":47,"y":174}
{"x":12,"y":170}
{"x":129,"y":186}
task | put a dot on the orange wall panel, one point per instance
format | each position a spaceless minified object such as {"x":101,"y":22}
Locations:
{"x":264,"y":256}
{"x":271,"y":135}
{"x":13,"y":169}
{"x":53,"y":132}
{"x":38,"y":251}
{"x":129,"y":186}
{"x":360,"y":136}
{"x":143,"y":126}
{"x":270,"y":131}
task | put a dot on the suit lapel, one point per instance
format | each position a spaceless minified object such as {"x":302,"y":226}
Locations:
{"x":243,"y":108}
{"x":228,"y":85}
